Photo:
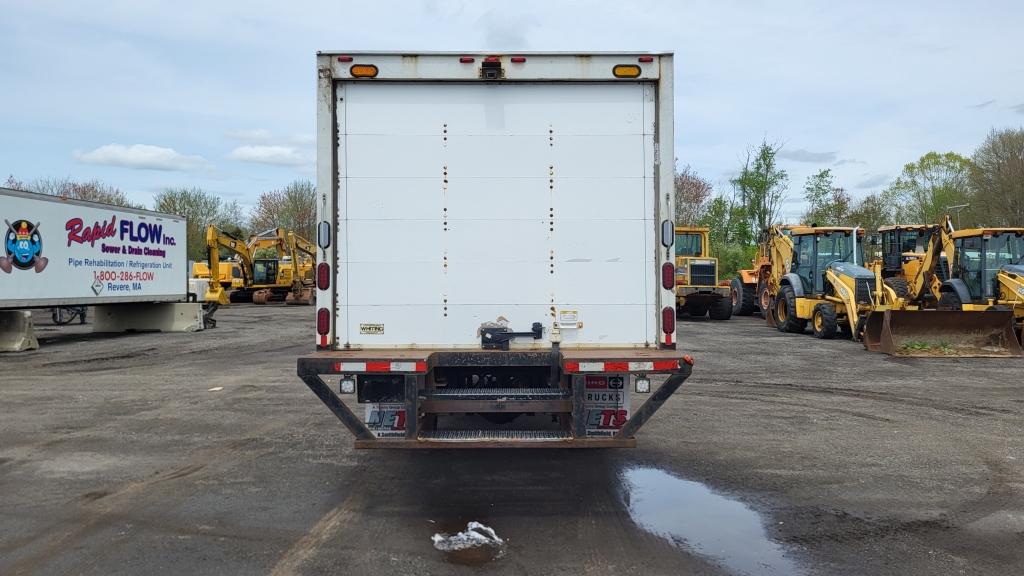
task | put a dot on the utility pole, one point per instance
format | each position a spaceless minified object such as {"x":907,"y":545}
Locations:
{"x":958,"y":208}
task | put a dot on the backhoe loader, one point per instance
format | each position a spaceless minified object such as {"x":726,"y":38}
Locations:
{"x":826,"y":284}
{"x":987,"y":273}
{"x":904,"y":321}
{"x":752,"y":290}
{"x":265,"y":279}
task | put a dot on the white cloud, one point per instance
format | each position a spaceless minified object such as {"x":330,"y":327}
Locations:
{"x":800,"y":155}
{"x":141,"y":157}
{"x":873,"y":181}
{"x":276,"y":155}
{"x":253,"y":135}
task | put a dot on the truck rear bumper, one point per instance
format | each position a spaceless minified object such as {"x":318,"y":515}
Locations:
{"x":572,"y":371}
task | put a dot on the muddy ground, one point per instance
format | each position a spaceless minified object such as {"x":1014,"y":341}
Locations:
{"x":204,"y":454}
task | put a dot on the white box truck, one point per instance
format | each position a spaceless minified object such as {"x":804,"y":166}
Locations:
{"x":495,"y":262}
{"x":63,"y":252}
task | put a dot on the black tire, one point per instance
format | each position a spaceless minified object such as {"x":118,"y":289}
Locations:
{"x":900,"y":286}
{"x":785,"y":312}
{"x":950,"y":301}
{"x":823,"y":322}
{"x":846,"y":330}
{"x":697,"y":310}
{"x":721,"y":309}
{"x":742,"y":296}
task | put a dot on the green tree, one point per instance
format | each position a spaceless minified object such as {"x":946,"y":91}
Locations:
{"x":997,"y":179}
{"x":201,"y":209}
{"x":871,"y":213}
{"x":762,"y":186}
{"x":729,"y":235}
{"x":692,"y":195}
{"x":292,"y":208}
{"x":827,"y":204}
{"x":926,"y":189}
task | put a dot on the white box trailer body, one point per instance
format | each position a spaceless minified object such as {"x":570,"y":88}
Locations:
{"x":63,"y":252}
{"x":467,"y":192}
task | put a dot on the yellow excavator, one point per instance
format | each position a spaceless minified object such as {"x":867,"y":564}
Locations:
{"x":922,"y":313}
{"x":284,"y":278}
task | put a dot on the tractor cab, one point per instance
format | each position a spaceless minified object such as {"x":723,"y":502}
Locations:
{"x":264,"y":271}
{"x":815,"y":249}
{"x":981,"y":254}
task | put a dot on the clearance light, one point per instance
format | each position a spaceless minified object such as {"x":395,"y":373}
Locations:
{"x":467,"y":59}
{"x":518,"y":59}
{"x":626,"y":71}
{"x":668,"y":275}
{"x":323,"y":234}
{"x":645,"y":59}
{"x":492,"y":59}
{"x":668,"y":319}
{"x":323,"y":276}
{"x":363,"y":71}
{"x":344,"y":58}
{"x":323,"y":321}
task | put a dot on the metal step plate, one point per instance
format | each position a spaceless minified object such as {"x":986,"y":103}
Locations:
{"x":494,"y":435}
{"x":497,"y":393}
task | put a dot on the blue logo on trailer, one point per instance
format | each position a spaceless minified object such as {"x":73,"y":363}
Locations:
{"x":24,"y":247}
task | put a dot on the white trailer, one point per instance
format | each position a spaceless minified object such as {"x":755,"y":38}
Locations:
{"x":495,"y":242}
{"x":63,"y":252}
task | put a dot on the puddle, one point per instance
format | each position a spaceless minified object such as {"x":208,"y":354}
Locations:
{"x":693,"y":517}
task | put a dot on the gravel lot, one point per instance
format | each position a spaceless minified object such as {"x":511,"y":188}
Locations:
{"x":205,"y":454}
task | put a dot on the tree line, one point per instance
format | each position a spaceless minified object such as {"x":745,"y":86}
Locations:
{"x":985,"y":189}
{"x":292,"y":207}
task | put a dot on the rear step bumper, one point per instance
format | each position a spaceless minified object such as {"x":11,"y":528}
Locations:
{"x":566,"y":403}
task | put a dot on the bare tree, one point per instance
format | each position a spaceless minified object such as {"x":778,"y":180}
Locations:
{"x":692,"y":194}
{"x":997,"y":179}
{"x":292,"y":207}
{"x":90,"y":190}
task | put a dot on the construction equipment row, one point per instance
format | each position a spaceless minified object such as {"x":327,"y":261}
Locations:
{"x":287,"y":277}
{"x":935,"y":291}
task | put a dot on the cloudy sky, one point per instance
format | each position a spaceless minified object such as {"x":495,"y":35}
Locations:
{"x":146,"y":95}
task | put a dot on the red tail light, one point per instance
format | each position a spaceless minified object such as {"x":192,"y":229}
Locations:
{"x":492,"y":59}
{"x":344,"y":58}
{"x":668,"y":275}
{"x":323,"y":321}
{"x":467,"y":59}
{"x":323,"y":276}
{"x":518,"y":59}
{"x":645,"y":59}
{"x":668,"y":320}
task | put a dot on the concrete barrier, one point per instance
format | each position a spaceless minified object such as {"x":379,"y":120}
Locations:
{"x":16,"y":331}
{"x":169,"y":317}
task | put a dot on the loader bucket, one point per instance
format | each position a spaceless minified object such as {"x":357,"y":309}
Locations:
{"x":938,"y":333}
{"x":305,"y":297}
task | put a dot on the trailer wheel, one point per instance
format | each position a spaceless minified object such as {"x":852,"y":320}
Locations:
{"x":785,"y":312}
{"x":824,"y":322}
{"x":721,"y":309}
{"x":742,"y":296}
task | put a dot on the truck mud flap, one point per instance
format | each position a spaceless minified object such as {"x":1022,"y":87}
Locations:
{"x":939,"y":333}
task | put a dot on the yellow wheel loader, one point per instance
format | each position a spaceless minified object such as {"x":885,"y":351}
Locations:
{"x":697,"y":289}
{"x":826,"y":285}
{"x":904,"y":320}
